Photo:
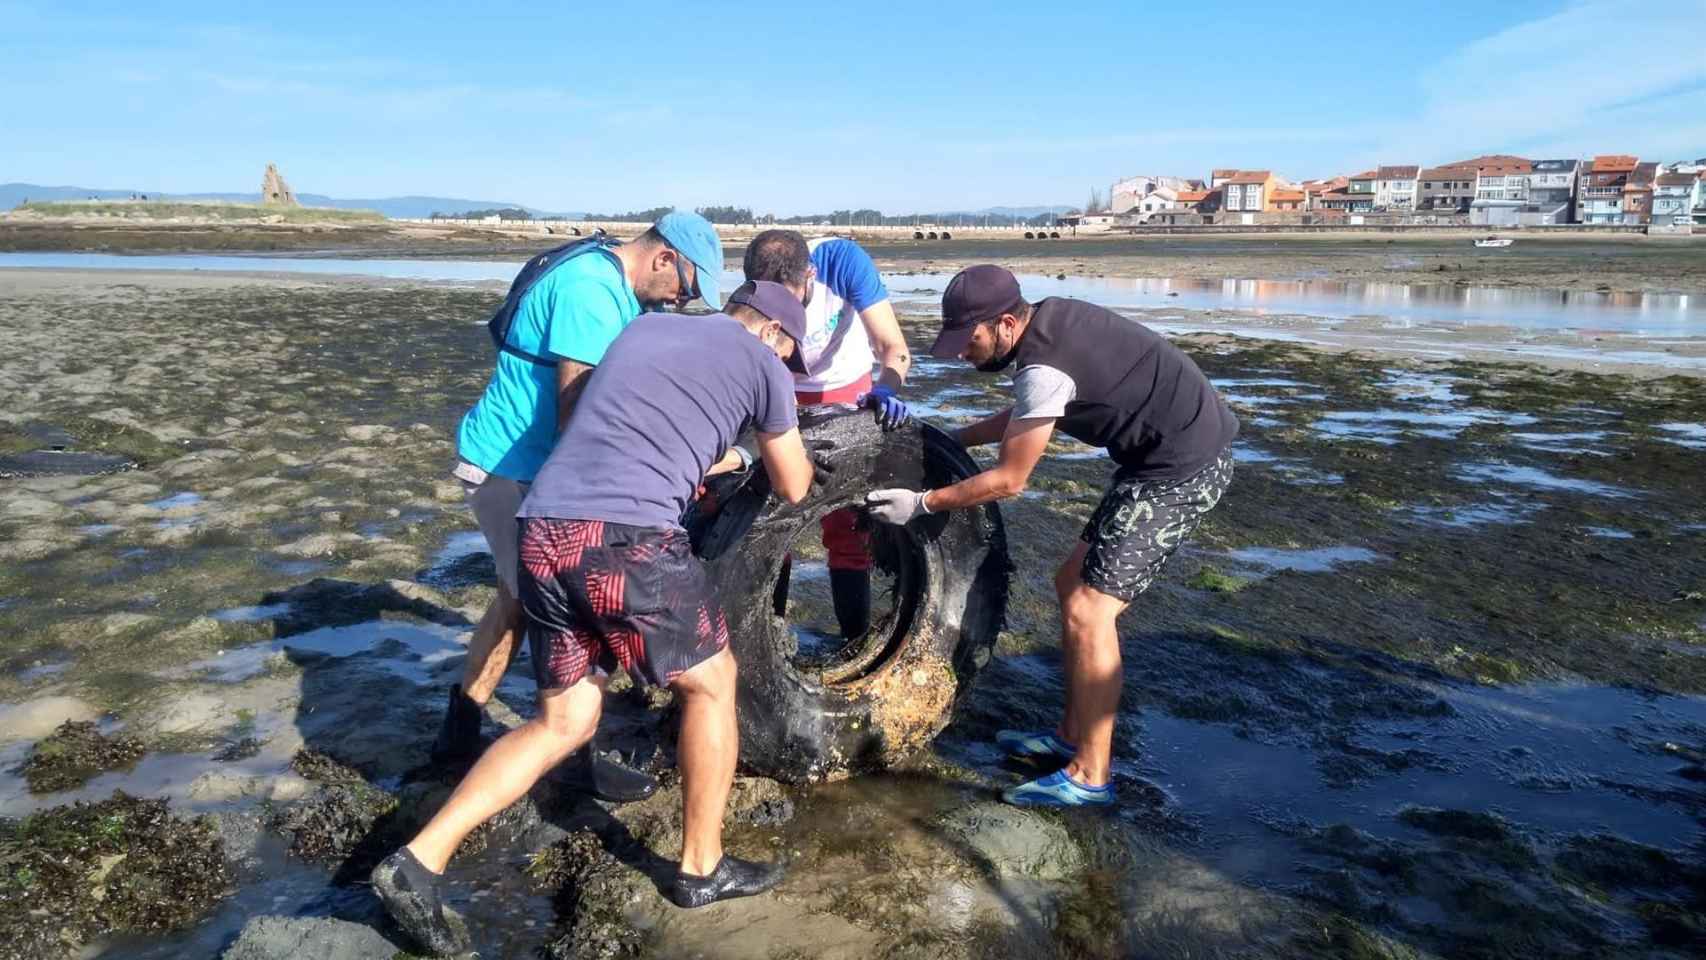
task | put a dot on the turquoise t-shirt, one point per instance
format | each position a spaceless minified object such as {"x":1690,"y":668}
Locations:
{"x":573,"y":313}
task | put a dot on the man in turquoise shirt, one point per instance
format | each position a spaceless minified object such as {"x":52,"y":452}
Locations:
{"x":568,"y":318}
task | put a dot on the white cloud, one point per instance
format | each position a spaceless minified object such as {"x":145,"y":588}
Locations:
{"x":1579,"y":78}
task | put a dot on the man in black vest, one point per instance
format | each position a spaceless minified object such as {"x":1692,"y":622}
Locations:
{"x":1110,"y":382}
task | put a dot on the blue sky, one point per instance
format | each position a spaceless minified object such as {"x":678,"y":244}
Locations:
{"x":793,"y":108}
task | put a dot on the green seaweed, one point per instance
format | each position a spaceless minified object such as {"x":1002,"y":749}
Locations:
{"x":75,"y":753}
{"x":122,"y":865}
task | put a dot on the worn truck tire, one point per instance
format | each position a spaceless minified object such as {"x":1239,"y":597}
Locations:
{"x":877,"y":699}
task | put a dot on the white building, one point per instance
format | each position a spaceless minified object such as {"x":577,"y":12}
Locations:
{"x":1673,"y":200}
{"x":1551,"y":192}
{"x":1395,"y":188}
{"x":1130,"y":193}
{"x":1500,"y":197}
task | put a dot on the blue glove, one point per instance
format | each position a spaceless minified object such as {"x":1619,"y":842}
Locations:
{"x":891,"y":410}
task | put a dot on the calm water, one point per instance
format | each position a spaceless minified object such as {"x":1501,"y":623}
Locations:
{"x":1401,"y":305}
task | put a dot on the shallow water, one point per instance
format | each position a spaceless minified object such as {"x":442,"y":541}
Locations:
{"x":1318,"y":560}
{"x":1401,"y":305}
{"x":1538,"y":479}
{"x":413,"y":651}
{"x":1685,"y":434}
{"x":185,"y":499}
{"x":1386,"y":426}
{"x":1553,"y":759}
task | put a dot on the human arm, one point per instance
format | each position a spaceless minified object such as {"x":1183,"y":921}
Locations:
{"x":1021,"y":448}
{"x":731,"y":462}
{"x":893,"y":359}
{"x":787,"y":463}
{"x":846,"y":270}
{"x":988,"y":430}
{"x":571,"y":380}
{"x":888,"y":343}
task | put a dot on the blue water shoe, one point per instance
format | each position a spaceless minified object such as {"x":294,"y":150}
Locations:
{"x":1038,"y":747}
{"x":1058,"y":790}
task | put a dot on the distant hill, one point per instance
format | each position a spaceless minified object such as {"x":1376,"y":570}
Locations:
{"x":13,"y":194}
{"x":1023,"y":213}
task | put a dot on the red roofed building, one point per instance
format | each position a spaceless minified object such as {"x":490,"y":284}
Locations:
{"x":1202,"y":201}
{"x":1449,"y":189}
{"x":1600,"y":196}
{"x":1495,"y":163}
{"x":1249,"y":192}
{"x":1501,"y":193}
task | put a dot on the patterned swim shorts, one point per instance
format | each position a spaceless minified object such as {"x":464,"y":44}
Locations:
{"x":1140,"y":523}
{"x":607,"y":594}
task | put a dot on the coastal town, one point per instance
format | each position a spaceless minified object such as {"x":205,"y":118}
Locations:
{"x":1497,"y":191}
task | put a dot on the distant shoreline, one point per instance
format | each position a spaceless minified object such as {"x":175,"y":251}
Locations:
{"x":1613,"y":263}
{"x":1634,"y":356}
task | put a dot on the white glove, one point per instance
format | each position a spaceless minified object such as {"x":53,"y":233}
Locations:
{"x":896,"y":506}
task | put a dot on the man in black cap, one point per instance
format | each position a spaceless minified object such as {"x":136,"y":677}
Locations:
{"x":608,"y":578}
{"x":1111,"y":382}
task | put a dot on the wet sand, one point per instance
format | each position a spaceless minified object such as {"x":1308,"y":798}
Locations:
{"x":1428,"y":680}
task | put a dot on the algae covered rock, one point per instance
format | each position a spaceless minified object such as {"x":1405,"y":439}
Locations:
{"x":322,"y":938}
{"x":591,"y":889}
{"x":123,"y":865}
{"x":75,"y":753}
{"x":1015,"y":842}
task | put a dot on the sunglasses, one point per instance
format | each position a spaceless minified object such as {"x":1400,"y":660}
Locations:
{"x":689,"y":287}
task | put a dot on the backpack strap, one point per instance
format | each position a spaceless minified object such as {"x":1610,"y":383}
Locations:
{"x":503,"y":319}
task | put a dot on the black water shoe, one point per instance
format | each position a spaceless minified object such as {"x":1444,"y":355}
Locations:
{"x":459,"y":736}
{"x":733,"y":878}
{"x":603,"y":775}
{"x":411,"y":896}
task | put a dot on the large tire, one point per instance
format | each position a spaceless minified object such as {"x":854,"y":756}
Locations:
{"x":886,"y":696}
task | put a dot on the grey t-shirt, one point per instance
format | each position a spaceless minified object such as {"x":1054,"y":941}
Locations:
{"x":1041,"y":391}
{"x":665,"y":403}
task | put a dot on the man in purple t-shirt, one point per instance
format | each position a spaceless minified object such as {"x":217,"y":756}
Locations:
{"x":607,"y":577}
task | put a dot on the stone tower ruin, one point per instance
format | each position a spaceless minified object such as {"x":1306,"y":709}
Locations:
{"x":274,"y":191}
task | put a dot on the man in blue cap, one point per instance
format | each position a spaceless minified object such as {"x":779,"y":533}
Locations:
{"x":608,"y":577}
{"x":561,"y":328}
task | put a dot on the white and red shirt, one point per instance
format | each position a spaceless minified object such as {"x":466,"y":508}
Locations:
{"x":836,"y":349}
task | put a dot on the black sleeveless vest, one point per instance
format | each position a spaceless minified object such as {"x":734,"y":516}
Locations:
{"x":1138,"y":395}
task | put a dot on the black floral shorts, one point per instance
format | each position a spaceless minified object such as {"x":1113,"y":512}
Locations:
{"x":1140,"y":523}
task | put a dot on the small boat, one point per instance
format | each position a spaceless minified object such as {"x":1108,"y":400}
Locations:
{"x":1493,"y":242}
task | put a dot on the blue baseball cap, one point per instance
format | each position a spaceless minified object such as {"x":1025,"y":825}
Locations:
{"x":694,"y":238}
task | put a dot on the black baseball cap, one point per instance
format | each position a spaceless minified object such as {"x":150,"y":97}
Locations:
{"x":776,"y":303}
{"x":976,"y":294}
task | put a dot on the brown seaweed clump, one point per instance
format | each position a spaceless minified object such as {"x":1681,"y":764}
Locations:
{"x":72,"y":755}
{"x":87,"y":870}
{"x":591,"y":886}
{"x":340,"y":821}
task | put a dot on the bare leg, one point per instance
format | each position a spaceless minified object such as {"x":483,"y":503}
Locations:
{"x":492,"y":647}
{"x":510,"y":768}
{"x":1066,"y":580}
{"x":709,"y":744}
{"x":1091,"y":643}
